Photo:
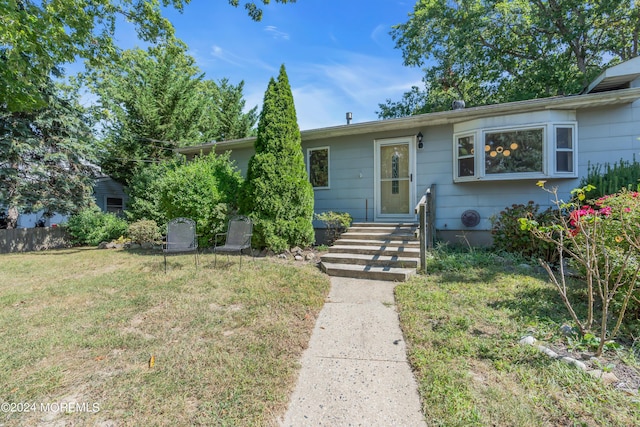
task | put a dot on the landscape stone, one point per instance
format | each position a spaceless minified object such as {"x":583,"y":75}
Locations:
{"x":528,"y":340}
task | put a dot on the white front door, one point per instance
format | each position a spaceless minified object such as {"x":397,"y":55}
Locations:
{"x":395,"y":179}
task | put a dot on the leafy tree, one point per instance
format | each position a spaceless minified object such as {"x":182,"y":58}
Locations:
{"x":490,"y":51}
{"x":205,"y":190}
{"x":277,"y":193}
{"x":46,"y":156}
{"x":37,"y":37}
{"x":157,"y":100}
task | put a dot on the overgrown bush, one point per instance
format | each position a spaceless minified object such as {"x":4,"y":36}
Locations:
{"x":336,"y":223}
{"x":508,"y":236}
{"x":603,"y":241}
{"x":144,"y":231}
{"x":91,"y":226}
{"x":204,"y":190}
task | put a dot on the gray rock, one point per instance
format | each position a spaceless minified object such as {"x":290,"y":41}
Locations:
{"x":298,"y":258}
{"x":310,"y":256}
{"x":528,"y":340}
{"x":576,"y":363}
{"x":548,"y":351}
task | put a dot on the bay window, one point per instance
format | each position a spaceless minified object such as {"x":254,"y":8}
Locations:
{"x":525,"y":151}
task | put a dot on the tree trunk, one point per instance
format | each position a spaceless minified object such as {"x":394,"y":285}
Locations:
{"x":12,"y":217}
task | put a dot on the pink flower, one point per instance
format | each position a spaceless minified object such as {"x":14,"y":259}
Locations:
{"x":606,"y":211}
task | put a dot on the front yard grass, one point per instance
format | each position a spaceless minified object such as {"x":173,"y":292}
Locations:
{"x":463,"y":323}
{"x":80,"y":326}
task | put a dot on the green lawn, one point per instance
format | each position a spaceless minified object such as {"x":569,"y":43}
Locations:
{"x":463,"y":323}
{"x":79,"y":326}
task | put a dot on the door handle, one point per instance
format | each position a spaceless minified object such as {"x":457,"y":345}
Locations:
{"x":410,"y":177}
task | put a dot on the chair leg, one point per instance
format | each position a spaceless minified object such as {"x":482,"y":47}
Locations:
{"x":165,"y":263}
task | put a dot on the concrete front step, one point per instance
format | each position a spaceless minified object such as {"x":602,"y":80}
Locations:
{"x":378,"y":251}
{"x":373,"y":260}
{"x":385,"y":224}
{"x":378,"y":235}
{"x":368,"y":272}
{"x":379,"y":242}
{"x":412,"y":252}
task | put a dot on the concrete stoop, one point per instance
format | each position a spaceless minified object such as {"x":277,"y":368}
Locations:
{"x":376,"y":251}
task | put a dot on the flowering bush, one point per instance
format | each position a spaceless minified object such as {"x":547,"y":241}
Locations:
{"x":602,"y":240}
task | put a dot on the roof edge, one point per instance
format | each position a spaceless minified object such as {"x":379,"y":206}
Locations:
{"x":572,"y":102}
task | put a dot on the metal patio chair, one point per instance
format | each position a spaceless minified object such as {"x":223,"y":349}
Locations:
{"x":181,"y":238}
{"x":236,"y":239}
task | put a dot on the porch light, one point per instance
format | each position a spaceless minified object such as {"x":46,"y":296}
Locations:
{"x":419,"y":137}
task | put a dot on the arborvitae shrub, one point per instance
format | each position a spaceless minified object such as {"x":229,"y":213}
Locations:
{"x":277,"y":194}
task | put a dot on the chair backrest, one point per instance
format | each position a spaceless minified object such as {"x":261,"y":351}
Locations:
{"x":239,"y":232}
{"x":181,"y":235}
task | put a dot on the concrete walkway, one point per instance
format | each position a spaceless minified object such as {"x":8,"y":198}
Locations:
{"x":355,"y":371}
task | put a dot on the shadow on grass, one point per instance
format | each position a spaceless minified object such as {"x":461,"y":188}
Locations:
{"x":545,"y":303}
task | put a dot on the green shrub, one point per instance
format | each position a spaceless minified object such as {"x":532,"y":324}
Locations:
{"x":144,"y":231}
{"x":145,"y":190}
{"x":336,"y":223}
{"x":508,"y":236}
{"x":609,"y":179}
{"x":91,"y":226}
{"x":205,"y":190}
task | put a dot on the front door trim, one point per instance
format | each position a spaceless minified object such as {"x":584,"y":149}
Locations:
{"x":410,"y":141}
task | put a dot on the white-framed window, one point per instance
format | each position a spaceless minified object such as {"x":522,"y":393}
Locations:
{"x":564,"y":161}
{"x":318,"y":167}
{"x":527,"y":151}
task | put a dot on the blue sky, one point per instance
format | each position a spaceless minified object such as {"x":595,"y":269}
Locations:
{"x":338,"y":54}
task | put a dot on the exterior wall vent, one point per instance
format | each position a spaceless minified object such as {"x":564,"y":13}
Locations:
{"x":470,"y":218}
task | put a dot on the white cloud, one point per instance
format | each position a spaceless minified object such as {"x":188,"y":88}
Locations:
{"x":380,"y":35}
{"x":275,"y":33}
{"x":357,"y":83}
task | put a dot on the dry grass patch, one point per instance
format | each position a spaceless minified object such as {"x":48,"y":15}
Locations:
{"x":81,"y":325}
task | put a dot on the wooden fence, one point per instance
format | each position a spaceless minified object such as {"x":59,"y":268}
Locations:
{"x":32,"y":239}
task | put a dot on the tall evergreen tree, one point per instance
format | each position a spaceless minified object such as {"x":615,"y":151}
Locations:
{"x":277,"y":194}
{"x":156,"y":100}
{"x":46,"y":156}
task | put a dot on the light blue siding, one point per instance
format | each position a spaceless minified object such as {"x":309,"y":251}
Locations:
{"x":604,"y":134}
